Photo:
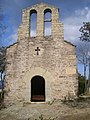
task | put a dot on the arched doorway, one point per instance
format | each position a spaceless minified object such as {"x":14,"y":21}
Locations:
{"x":37,"y":89}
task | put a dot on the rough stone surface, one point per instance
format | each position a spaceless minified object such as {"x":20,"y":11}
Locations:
{"x":56,"y":61}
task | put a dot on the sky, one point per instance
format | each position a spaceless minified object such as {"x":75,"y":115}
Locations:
{"x":72,"y":14}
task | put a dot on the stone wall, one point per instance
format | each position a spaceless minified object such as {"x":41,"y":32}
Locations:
{"x":56,"y":61}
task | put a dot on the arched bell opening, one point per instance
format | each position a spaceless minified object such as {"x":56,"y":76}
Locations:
{"x":47,"y":22}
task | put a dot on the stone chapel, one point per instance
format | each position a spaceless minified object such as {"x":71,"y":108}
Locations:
{"x":40,"y":68}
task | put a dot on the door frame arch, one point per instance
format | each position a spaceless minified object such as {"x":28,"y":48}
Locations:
{"x":48,"y":82}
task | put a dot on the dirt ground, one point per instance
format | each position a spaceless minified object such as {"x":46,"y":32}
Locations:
{"x":58,"y":110}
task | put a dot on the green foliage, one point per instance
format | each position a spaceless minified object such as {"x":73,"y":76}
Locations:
{"x":2,"y":58}
{"x":81,"y":84}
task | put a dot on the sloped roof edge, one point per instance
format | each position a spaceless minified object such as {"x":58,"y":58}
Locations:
{"x":11,"y":45}
{"x":69,"y":43}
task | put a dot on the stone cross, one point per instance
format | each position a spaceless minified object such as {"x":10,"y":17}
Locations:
{"x":37,"y":50}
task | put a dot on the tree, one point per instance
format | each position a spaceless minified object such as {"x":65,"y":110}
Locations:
{"x":2,"y":71}
{"x":2,"y":53}
{"x":85,"y":36}
{"x":82,"y":56}
{"x":2,"y":58}
{"x":85,"y":32}
{"x":2,"y":31}
{"x":81,"y":84}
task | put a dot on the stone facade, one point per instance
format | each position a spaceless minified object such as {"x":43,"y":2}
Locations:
{"x":56,"y":61}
